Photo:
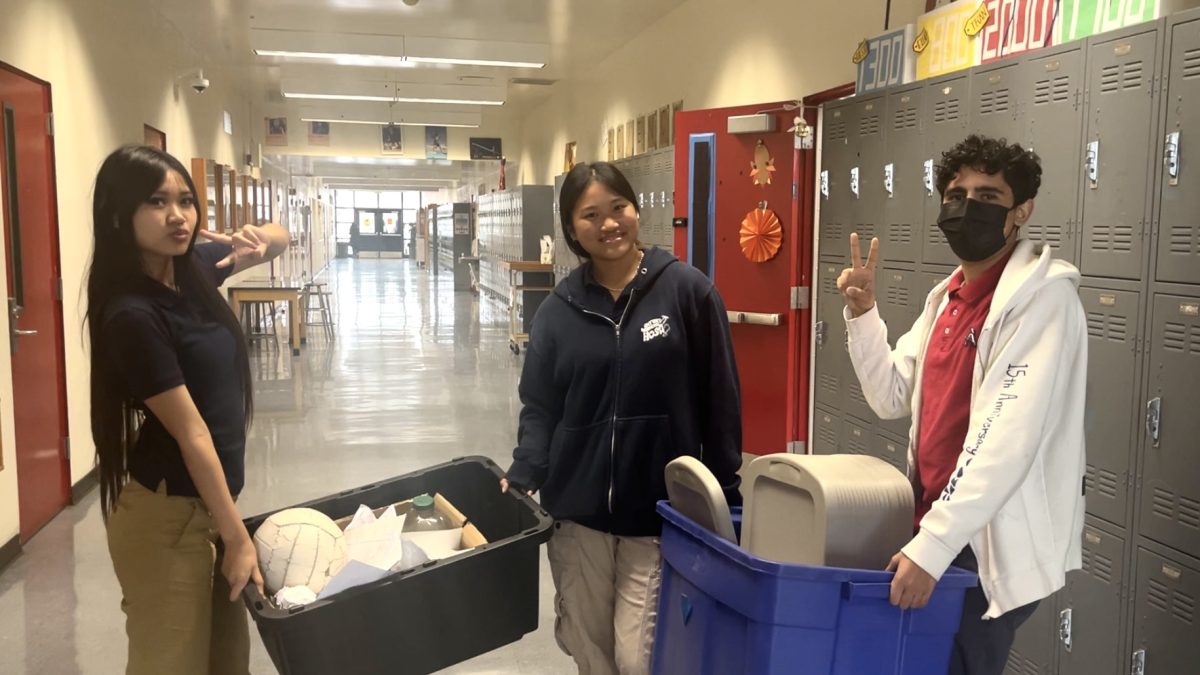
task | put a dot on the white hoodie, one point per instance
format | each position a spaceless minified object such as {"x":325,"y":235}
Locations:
{"x":1016,"y":495}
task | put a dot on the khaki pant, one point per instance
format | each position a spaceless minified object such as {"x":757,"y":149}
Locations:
{"x":606,"y":598}
{"x":178,"y":615}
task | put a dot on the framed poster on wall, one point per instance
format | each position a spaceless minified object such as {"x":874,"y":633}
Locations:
{"x":628,"y":139}
{"x":666,"y":131}
{"x":639,"y":145}
{"x":611,"y":144}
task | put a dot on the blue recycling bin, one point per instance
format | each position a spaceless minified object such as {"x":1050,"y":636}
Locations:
{"x":722,"y":610}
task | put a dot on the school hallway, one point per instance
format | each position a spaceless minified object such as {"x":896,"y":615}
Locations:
{"x":417,"y":375}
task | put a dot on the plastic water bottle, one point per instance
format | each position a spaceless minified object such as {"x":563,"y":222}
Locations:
{"x":422,"y":517}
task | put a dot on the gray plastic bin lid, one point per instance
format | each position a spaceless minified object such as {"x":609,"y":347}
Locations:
{"x":831,"y":510}
{"x":695,"y":492}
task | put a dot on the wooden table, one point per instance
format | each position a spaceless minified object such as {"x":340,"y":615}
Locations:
{"x":273,"y":291}
{"x":517,"y":336}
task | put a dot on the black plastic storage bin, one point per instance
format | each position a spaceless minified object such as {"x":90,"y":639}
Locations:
{"x":431,"y":617}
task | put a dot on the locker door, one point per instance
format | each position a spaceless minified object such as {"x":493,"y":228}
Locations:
{"x":995,"y":104}
{"x":1117,"y":176}
{"x":903,"y":204}
{"x":832,"y":363}
{"x":897,"y":293}
{"x":668,"y":198}
{"x":946,"y":106}
{"x":1170,"y":499}
{"x":827,"y":433}
{"x":857,"y":436}
{"x":867,"y":217}
{"x":1034,"y":648}
{"x":1112,"y":409}
{"x":1091,"y":610}
{"x":1179,"y":215}
{"x":839,"y":121}
{"x":1056,"y":134}
{"x":892,"y":450}
{"x":1164,"y":625}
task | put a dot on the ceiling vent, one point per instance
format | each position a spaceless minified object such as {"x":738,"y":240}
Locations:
{"x":532,"y":81}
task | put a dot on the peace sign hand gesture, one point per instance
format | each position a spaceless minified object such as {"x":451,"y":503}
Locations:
{"x":249,"y":246}
{"x":857,"y":282}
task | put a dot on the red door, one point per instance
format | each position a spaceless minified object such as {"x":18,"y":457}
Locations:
{"x":768,"y":300}
{"x":29,"y":207}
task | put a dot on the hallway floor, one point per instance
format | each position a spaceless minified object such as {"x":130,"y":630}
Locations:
{"x":417,"y":375}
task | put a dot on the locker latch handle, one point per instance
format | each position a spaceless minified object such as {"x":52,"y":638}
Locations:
{"x":821,"y":325}
{"x":854,"y":181}
{"x":1154,"y":419}
{"x":1138,"y":667}
{"x":1064,"y":628}
{"x":1171,"y":157}
{"x":889,"y":179}
{"x":1093,"y":163}
{"x":825,"y":184}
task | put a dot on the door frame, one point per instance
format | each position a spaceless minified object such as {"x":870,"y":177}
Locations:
{"x":74,"y":492}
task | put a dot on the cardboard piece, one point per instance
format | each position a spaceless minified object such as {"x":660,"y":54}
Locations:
{"x":889,"y":61}
{"x":942,"y":42}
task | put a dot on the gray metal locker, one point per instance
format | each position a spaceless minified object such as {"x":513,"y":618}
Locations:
{"x":867,"y":191}
{"x":947,"y":101}
{"x":857,"y":436}
{"x":1034,"y":648}
{"x":997,"y":108}
{"x":1091,"y":627}
{"x":831,"y":363}
{"x":893,"y":450}
{"x":827,"y":432}
{"x":1164,"y":615}
{"x":1178,"y":230}
{"x":839,"y":121}
{"x":898,"y":292}
{"x":1111,"y":415}
{"x":1170,"y":489}
{"x":1117,"y":178}
{"x":1055,"y":132}
{"x":903,"y":177}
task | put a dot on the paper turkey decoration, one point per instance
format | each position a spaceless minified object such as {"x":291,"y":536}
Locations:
{"x":763,"y":165}
{"x":761,"y":235}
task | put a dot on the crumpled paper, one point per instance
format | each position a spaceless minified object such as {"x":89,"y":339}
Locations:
{"x":294,"y":596}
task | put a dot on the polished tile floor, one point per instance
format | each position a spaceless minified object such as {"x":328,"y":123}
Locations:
{"x":417,"y":375}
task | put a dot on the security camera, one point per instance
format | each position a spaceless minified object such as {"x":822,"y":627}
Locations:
{"x":199,"y":83}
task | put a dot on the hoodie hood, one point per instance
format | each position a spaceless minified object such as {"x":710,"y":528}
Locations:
{"x":575,"y":288}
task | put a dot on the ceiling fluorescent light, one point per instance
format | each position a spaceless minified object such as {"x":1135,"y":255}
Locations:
{"x":474,"y":62}
{"x":335,"y":97}
{"x":366,"y":60}
{"x":384,"y":123}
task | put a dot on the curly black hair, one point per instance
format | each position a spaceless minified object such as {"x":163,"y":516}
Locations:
{"x":1022,"y":168}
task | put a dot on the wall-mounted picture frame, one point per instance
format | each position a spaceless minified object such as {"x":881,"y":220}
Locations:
{"x":569,"y":156}
{"x":277,"y":131}
{"x":628,"y":139}
{"x":652,"y":131}
{"x":611,"y":145}
{"x":620,"y":153}
{"x":666,"y":127}
{"x":639,"y":145}
{"x":318,"y":133}
{"x":436,"y":143}
{"x":392,"y":139}
{"x":486,"y":148}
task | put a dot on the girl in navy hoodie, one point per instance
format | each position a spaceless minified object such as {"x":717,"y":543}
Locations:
{"x":630,"y":365}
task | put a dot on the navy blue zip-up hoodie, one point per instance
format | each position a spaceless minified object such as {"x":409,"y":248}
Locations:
{"x":612,"y":392}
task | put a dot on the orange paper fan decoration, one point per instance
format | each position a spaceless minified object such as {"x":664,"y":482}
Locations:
{"x":761,"y":235}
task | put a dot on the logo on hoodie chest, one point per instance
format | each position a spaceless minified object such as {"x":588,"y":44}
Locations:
{"x":656,"y":328}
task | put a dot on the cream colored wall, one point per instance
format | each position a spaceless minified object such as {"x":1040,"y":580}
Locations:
{"x":112,"y":67}
{"x":707,"y":53}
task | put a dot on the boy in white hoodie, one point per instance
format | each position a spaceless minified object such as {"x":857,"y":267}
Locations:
{"x":993,"y":374}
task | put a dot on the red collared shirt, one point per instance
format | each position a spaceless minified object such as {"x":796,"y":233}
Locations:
{"x":946,"y":382}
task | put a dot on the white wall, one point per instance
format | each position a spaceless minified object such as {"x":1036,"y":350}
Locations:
{"x":112,"y":67}
{"x":707,"y":53}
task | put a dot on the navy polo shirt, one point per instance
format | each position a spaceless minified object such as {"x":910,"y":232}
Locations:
{"x":156,"y":339}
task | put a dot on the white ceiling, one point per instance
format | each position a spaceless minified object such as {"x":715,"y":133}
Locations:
{"x":576,"y":34}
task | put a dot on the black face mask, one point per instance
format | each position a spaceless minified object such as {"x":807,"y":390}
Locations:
{"x":974,"y":229}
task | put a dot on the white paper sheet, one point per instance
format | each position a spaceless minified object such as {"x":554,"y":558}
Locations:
{"x":438,"y":544}
{"x":355,"y":573}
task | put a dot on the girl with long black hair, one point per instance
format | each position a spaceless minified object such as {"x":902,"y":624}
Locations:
{"x":171,"y":402}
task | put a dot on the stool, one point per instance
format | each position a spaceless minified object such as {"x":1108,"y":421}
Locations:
{"x":258,"y":321}
{"x":317,"y":291}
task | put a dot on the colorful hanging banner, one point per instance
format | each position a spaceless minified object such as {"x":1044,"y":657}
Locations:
{"x":1016,"y":27}
{"x":887,"y":61}
{"x":949,"y":48}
